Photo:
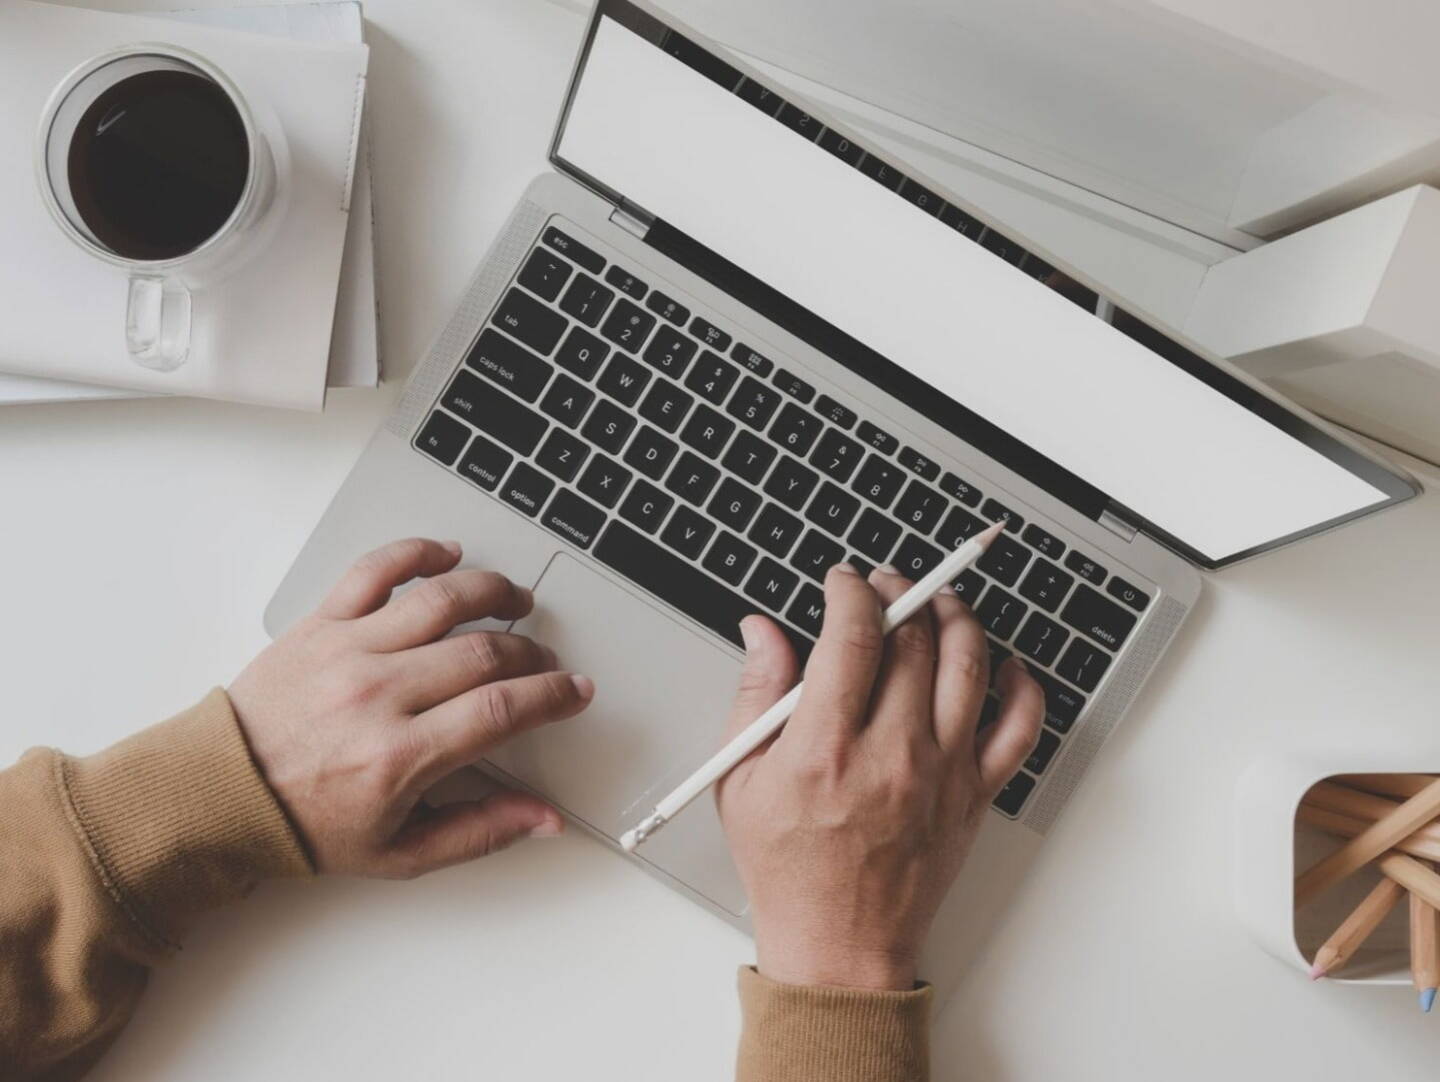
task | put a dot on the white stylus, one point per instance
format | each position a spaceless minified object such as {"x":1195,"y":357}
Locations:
{"x":768,"y":723}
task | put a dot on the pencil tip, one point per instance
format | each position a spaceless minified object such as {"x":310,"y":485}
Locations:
{"x":1427,"y":999}
{"x":989,"y":535}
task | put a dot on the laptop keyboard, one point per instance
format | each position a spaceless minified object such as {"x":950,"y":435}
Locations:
{"x":642,"y":433}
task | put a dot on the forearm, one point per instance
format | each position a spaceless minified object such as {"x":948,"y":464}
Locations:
{"x":106,"y":860}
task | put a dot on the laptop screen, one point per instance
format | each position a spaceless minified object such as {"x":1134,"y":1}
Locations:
{"x":898,"y":282}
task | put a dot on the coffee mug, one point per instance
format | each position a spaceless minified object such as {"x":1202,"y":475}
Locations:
{"x":150,"y":160}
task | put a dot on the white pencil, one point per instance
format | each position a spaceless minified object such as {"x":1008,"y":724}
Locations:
{"x":768,"y":723}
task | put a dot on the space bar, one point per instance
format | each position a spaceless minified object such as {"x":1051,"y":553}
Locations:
{"x":674,"y":581}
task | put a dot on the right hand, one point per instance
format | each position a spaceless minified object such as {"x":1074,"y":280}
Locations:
{"x":850,"y":825}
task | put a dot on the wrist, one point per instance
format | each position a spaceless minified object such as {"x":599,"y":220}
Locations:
{"x":836,"y":965}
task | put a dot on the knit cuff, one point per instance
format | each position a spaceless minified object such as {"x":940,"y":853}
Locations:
{"x":176,"y":819}
{"x":809,"y":1034}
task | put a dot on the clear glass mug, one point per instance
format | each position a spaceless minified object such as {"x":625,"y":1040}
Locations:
{"x":158,"y":309}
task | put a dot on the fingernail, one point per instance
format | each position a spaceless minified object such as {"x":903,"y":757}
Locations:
{"x":888,"y":569}
{"x":747,"y":634}
{"x":845,"y":569}
{"x":947,"y":590}
{"x":584,"y":686}
{"x":452,"y":547}
{"x":551,"y":828}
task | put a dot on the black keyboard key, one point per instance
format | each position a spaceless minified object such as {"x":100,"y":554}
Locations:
{"x":799,"y":121}
{"x":962,"y":490}
{"x":578,"y":521}
{"x":807,"y":611}
{"x":915,"y":462}
{"x":832,"y":509}
{"x":526,"y":319}
{"x":1004,"y":560}
{"x":651,"y":453}
{"x":999,"y":612}
{"x":771,"y":584}
{"x":1017,"y":790}
{"x":709,"y":334}
{"x":969,"y":586}
{"x":1104,"y":621}
{"x":959,"y":526}
{"x":1083,"y":665}
{"x":791,"y":483}
{"x":1047,"y":544}
{"x":624,"y":379}
{"x":754,"y":403}
{"x":1046,"y":585}
{"x":569,"y":246}
{"x":517,"y":427}
{"x":1045,"y":749}
{"x":796,"y":430}
{"x":582,"y":353}
{"x":815,"y":555}
{"x":484,"y":463}
{"x":562,"y":454}
{"x":749,"y":457}
{"x":877,"y":438}
{"x":693,"y":56}
{"x":915,"y":558}
{"x":567,"y":401}
{"x":712,"y":377}
{"x":687,"y":532}
{"x":1133,"y":596}
{"x":511,"y":366}
{"x":707,"y":432}
{"x":878,"y":481}
{"x":860,"y":564}
{"x":920,"y":507}
{"x":646,"y":506}
{"x":666,"y":405}
{"x":526,"y":488}
{"x":793,"y":385}
{"x":964,"y":224}
{"x":627,"y":326}
{"x":677,"y":583}
{"x":922,"y":197}
{"x":758,"y":363}
{"x":836,"y":455}
{"x":586,"y":300}
{"x":442,"y":438}
{"x":994,"y":510}
{"x":1003,"y":246}
{"x":882,"y":172}
{"x":729,"y":557}
{"x":626,"y":282}
{"x":841,"y":147}
{"x":834,"y":412}
{"x":692,"y":479}
{"x":775,"y":530}
{"x":604,"y":480}
{"x":608,"y":427}
{"x":762,"y":97}
{"x":734,"y":504}
{"x":1085,"y":567}
{"x":544,"y":274}
{"x":1063,"y":703}
{"x":874,"y":536}
{"x":668,"y":308}
{"x":1041,"y":639}
{"x":670,"y":351}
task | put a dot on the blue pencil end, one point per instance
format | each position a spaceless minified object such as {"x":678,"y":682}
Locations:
{"x":1427,"y":999}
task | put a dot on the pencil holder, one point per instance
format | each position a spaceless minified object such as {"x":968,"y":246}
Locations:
{"x":1272,"y":847}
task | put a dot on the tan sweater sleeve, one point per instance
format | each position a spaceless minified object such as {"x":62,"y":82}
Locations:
{"x":800,"y":1034}
{"x":103,"y":862}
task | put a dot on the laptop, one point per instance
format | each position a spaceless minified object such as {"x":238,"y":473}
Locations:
{"x":724,"y":344}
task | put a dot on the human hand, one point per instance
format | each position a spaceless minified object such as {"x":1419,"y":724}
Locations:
{"x":363,"y":705}
{"x":849,"y":827}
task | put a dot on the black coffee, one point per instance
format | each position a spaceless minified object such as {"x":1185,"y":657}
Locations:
{"x":158,"y":163}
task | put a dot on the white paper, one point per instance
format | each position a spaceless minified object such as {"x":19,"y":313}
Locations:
{"x":264,"y":336}
{"x":1184,"y":456}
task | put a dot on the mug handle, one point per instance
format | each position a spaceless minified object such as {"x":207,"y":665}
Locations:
{"x":157,"y":322}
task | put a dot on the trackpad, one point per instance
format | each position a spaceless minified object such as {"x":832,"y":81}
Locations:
{"x":662,"y":693}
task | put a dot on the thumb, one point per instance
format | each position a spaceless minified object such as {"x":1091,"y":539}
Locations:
{"x":454,"y":833}
{"x":770,"y":671}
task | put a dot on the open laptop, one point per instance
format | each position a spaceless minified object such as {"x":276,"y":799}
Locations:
{"x":724,"y":345}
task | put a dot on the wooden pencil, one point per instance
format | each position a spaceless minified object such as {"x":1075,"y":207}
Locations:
{"x":1411,"y":874}
{"x":1424,"y":949}
{"x":1358,"y":805}
{"x":1403,"y":786}
{"x":1424,"y":843}
{"x":1370,"y":843}
{"x":1356,"y":928}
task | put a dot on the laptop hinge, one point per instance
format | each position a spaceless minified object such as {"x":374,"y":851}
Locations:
{"x":1114,"y":521}
{"x":632,"y":219}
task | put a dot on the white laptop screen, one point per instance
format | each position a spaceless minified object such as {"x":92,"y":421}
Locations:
{"x":1049,"y":366}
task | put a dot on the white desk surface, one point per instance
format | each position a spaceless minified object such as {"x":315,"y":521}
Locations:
{"x":141,"y":539}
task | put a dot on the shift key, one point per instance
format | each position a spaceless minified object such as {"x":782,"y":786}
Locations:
{"x":495,"y":414}
{"x":511,"y":366}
